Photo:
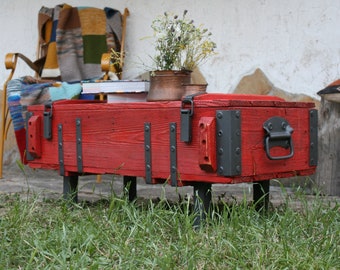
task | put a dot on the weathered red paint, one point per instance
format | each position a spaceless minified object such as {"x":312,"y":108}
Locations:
{"x":113,"y":138}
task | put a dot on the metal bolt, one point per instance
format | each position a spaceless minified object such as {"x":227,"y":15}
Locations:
{"x":270,"y":126}
{"x":238,"y":150}
{"x":219,"y":115}
{"x":220,"y":170}
{"x":283,"y":125}
{"x":238,"y":168}
{"x":147,"y":147}
{"x":220,"y":133}
{"x":148,"y":167}
{"x":147,"y":128}
{"x":237,"y":114}
{"x":220,"y":151}
{"x":172,"y":148}
{"x":173,"y":169}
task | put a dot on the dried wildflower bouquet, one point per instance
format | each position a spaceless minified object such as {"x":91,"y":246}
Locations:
{"x":180,"y":45}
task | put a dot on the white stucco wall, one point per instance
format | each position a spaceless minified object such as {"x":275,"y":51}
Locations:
{"x":295,"y":42}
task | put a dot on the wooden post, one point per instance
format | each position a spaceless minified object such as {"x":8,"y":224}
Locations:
{"x":130,"y":187}
{"x":261,"y":195}
{"x":328,"y":170}
{"x":70,"y":188}
{"x":202,"y":202}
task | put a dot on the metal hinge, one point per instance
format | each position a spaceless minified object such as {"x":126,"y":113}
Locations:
{"x":173,"y":154}
{"x":79,"y":146}
{"x":28,"y":155}
{"x":228,"y":142}
{"x":147,"y":149}
{"x":61,"y":150}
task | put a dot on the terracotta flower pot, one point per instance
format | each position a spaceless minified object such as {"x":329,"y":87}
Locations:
{"x":168,"y":84}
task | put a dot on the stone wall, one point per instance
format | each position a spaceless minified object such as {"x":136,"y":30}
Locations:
{"x":257,"y":83}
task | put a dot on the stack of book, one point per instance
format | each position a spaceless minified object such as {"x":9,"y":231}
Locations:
{"x":118,"y":91}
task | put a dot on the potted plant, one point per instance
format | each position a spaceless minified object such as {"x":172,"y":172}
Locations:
{"x":180,"y":47}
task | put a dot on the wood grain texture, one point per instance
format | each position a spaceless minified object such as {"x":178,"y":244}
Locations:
{"x":328,"y":170}
{"x":113,"y":138}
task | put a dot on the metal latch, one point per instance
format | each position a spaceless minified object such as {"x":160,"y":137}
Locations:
{"x":278,"y":133}
{"x":186,"y":114}
{"x":48,"y":121}
{"x":187,"y":111}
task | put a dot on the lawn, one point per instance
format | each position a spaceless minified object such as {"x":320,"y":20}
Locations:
{"x":115,"y":234}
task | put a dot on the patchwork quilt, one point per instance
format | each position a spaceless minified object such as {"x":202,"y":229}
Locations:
{"x":73,"y":40}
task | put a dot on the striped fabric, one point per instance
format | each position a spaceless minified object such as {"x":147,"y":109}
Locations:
{"x":73,"y":40}
{"x":76,"y":38}
{"x":27,"y":91}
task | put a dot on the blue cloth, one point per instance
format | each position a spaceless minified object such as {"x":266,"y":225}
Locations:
{"x":65,"y":91}
{"x":27,"y":91}
{"x":15,"y":110}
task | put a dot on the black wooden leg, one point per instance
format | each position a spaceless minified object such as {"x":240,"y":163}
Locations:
{"x":202,"y":202}
{"x":261,"y":195}
{"x":130,"y":187}
{"x":70,"y":188}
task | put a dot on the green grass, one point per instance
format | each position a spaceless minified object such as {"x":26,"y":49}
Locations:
{"x":115,"y":234}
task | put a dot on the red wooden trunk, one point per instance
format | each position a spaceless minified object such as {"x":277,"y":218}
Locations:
{"x":214,"y":138}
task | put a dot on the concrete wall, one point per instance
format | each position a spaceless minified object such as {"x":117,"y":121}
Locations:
{"x":295,"y":43}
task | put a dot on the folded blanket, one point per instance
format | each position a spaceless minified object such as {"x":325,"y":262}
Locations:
{"x":76,"y":38}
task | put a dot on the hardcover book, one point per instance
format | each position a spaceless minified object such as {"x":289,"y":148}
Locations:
{"x":126,"y":97}
{"x":119,"y":86}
